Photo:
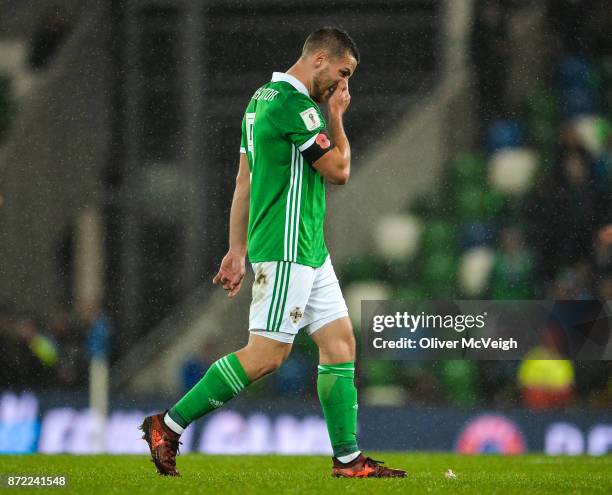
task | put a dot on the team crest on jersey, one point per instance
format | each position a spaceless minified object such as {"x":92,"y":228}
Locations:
{"x":311,"y":118}
{"x":296,"y":315}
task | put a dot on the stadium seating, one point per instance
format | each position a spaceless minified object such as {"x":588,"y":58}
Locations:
{"x":504,"y":134}
{"x":542,"y":117}
{"x":542,"y":105}
{"x":439,"y":237}
{"x":475,"y":268}
{"x":579,"y":101}
{"x":512,"y":279}
{"x":477,"y":234}
{"x":469,"y":204}
{"x":397,"y":237}
{"x":439,"y":271}
{"x":364,"y":291}
{"x":468,"y":169}
{"x":461,"y":249}
{"x":387,"y":84}
{"x":576,"y":72}
{"x":591,"y":130}
{"x":512,"y":171}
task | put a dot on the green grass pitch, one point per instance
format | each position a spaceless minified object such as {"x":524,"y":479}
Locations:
{"x":243,"y":475}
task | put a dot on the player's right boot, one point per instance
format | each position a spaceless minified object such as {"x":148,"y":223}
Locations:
{"x":163,"y":444}
{"x":365,"y":467}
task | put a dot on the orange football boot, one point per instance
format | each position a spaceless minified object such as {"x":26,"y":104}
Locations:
{"x":365,"y":467}
{"x":163,"y":444}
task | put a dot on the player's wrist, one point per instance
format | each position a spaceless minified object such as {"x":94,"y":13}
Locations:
{"x":239,"y":251}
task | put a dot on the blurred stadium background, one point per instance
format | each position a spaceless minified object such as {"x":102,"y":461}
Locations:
{"x":482,"y":169}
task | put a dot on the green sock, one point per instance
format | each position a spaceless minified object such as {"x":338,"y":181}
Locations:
{"x":222,"y":382}
{"x":338,"y":396}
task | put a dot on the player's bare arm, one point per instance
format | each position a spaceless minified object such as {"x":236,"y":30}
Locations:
{"x":232,"y":269}
{"x":335,"y":166}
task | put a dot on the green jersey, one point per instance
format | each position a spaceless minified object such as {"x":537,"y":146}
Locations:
{"x":283,"y":132}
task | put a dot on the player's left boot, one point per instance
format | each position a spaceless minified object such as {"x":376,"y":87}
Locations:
{"x":365,"y":467}
{"x":163,"y":444}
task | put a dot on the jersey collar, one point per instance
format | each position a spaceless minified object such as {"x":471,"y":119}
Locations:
{"x":296,"y":83}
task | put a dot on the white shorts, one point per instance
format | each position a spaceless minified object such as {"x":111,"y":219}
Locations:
{"x":288,"y":296}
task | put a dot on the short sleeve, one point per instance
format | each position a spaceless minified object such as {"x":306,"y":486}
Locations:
{"x":243,"y":140}
{"x":301,"y":121}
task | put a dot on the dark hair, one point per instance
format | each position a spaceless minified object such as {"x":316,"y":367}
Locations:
{"x":334,"y":39}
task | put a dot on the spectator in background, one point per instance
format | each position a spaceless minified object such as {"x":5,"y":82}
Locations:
{"x":570,"y":212}
{"x":563,"y":288}
{"x":39,"y":353}
{"x":97,"y":330}
{"x":489,"y":54}
{"x":545,"y":380}
{"x":571,"y":144}
{"x":574,"y":283}
{"x":47,"y":38}
{"x":603,"y":168}
{"x":568,"y":208}
{"x":604,"y":289}
{"x":497,"y":383}
{"x":602,"y":252}
{"x":71,"y":368}
{"x":512,"y":275}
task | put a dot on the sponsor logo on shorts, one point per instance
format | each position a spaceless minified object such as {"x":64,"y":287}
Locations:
{"x":260,"y":277}
{"x":259,"y":286}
